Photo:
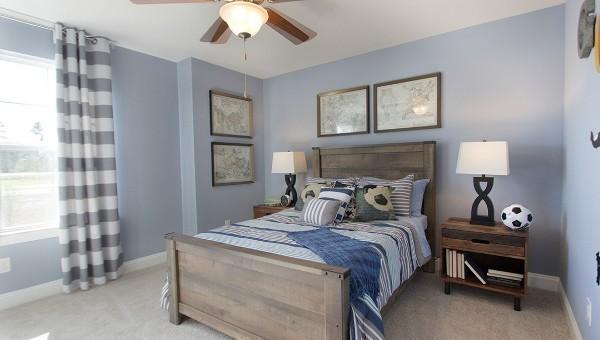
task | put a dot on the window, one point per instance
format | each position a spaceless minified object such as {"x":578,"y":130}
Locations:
{"x":28,"y":140}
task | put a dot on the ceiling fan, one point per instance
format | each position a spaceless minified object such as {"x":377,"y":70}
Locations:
{"x":245,"y":18}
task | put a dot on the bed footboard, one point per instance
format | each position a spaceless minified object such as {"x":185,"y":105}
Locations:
{"x":249,"y":294}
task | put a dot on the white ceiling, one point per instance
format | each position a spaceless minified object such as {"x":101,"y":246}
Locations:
{"x":345,"y":27}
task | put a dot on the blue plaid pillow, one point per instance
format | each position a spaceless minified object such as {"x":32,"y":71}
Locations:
{"x":343,"y":195}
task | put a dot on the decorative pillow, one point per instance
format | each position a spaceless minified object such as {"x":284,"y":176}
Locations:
{"x":320,"y":212}
{"x":344,"y":195}
{"x":374,"y":203}
{"x":400,"y":196}
{"x":351,"y":208}
{"x":418,"y":193}
{"x":313,"y":187}
{"x":311,"y":190}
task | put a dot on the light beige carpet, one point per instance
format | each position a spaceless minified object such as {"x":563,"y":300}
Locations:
{"x":128,"y":309}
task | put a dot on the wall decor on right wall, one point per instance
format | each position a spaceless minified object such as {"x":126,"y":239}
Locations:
{"x":409,"y":104}
{"x":595,"y":141}
{"x":597,"y":44}
{"x":585,"y":30}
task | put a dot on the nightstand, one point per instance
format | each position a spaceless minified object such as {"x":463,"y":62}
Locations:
{"x":489,"y":247}
{"x":264,"y":210}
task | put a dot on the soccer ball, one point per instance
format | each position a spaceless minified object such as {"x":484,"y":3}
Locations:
{"x":517,"y":217}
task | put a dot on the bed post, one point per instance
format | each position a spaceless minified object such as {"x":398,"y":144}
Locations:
{"x":316,"y":165}
{"x":337,"y":294}
{"x":174,"y":315}
{"x":429,"y":203}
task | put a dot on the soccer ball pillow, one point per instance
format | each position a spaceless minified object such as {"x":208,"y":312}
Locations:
{"x":517,"y":217}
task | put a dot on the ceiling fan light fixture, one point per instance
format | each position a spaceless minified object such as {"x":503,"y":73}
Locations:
{"x":243,"y":17}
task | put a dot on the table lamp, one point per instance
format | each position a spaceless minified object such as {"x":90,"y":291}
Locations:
{"x":290,"y":164}
{"x":483,"y":158}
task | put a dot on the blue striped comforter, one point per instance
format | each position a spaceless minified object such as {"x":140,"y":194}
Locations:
{"x":393,"y":241}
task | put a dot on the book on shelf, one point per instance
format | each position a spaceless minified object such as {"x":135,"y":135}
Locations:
{"x":501,"y":276}
{"x":447,"y":262}
{"x":462,"y":266}
{"x":455,"y":264}
{"x":475,"y":269}
{"x":504,"y":282}
{"x":501,"y":273}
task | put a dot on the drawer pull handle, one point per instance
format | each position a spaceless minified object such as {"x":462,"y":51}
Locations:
{"x":480,"y":241}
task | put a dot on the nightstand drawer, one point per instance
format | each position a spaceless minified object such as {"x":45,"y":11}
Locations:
{"x":484,"y":238}
{"x":482,"y":244}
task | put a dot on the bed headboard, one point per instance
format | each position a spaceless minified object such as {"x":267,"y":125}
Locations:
{"x":388,"y":161}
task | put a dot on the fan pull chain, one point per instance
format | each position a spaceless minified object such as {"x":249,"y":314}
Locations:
{"x":245,"y":69}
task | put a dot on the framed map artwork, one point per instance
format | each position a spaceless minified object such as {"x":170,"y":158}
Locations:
{"x":343,"y":112}
{"x":409,"y":104}
{"x":232,"y":163}
{"x":230,"y":115}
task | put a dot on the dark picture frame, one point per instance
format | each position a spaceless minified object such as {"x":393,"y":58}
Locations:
{"x":367,"y":113}
{"x":224,"y":131}
{"x":438,"y":107}
{"x":214,"y":164}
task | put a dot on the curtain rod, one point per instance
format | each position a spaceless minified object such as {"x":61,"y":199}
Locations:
{"x":42,"y":26}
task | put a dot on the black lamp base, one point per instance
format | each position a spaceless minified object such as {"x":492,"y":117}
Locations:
{"x":290,"y":180}
{"x":483,"y":196}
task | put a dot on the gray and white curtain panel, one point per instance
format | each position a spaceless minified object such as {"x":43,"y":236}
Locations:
{"x":89,"y":220}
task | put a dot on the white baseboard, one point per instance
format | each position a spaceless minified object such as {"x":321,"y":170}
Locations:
{"x":144,"y":262}
{"x":545,"y":282}
{"x":29,"y":294}
{"x":553,"y":283}
{"x":575,"y":332}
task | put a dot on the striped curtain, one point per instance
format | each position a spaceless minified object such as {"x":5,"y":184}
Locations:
{"x":89,"y":221}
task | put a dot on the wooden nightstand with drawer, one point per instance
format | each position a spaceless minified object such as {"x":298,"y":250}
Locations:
{"x":496,"y":248}
{"x":264,"y":210}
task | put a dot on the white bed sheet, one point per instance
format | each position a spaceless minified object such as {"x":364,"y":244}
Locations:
{"x":420,"y":222}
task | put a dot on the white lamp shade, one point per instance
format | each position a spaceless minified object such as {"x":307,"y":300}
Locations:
{"x":244,"y":17}
{"x":483,"y":158}
{"x":288,"y":163}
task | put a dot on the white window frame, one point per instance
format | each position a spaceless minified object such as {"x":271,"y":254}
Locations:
{"x":27,"y":235}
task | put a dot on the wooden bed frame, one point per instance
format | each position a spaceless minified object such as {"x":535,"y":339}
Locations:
{"x":250,"y":294}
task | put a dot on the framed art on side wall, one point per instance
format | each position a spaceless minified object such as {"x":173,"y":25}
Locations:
{"x":343,"y":112}
{"x":230,"y":115}
{"x":409,"y":104}
{"x":232,"y":163}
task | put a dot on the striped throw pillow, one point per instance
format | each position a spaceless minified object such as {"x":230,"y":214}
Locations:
{"x":344,"y":195}
{"x":320,"y":212}
{"x":401,"y":196}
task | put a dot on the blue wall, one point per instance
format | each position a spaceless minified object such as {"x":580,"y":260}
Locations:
{"x":501,"y":81}
{"x":147,"y":142}
{"x":581,"y":230}
{"x":146,"y":129}
{"x":213,"y":205}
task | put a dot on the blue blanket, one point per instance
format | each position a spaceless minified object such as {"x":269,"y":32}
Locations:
{"x":361,"y":257}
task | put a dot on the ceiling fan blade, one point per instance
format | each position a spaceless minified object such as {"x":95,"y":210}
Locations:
{"x":218,"y":33}
{"x":155,"y":2}
{"x":285,"y":27}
